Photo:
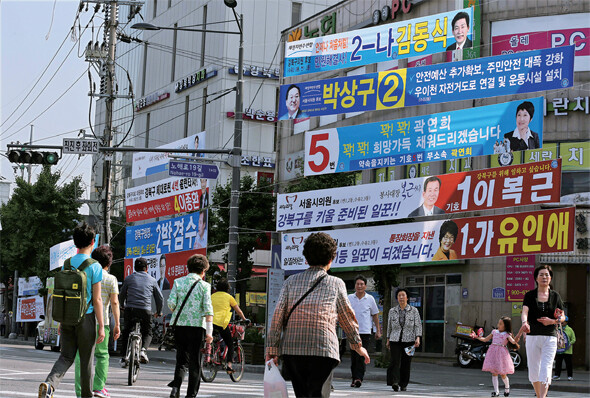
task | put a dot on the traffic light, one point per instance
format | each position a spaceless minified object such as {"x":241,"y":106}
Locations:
{"x":32,"y":157}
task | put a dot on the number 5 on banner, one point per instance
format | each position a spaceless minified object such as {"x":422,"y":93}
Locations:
{"x":321,"y":152}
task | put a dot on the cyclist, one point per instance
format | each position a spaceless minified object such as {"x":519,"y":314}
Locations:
{"x":223,"y":302}
{"x":136,"y":296}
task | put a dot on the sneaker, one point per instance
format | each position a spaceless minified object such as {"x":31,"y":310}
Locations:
{"x":123,"y":362}
{"x":101,"y":394}
{"x":358,"y":383}
{"x":570,"y":378}
{"x":143,"y":358}
{"x":556,"y":378}
{"x":45,"y":390}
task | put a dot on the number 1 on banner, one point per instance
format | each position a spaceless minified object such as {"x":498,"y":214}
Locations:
{"x":321,"y":152}
{"x":391,"y":89}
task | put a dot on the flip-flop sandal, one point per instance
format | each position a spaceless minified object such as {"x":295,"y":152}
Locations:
{"x":229,"y":371}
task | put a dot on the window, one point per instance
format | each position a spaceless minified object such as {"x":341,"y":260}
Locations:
{"x":145,"y":54}
{"x":295,"y":13}
{"x":147,"y":130}
{"x":155,"y":9}
{"x":169,"y":3}
{"x":204,"y":35}
{"x":454,"y":279}
{"x":574,"y":182}
{"x":174,"y":40}
{"x":186,"y":109}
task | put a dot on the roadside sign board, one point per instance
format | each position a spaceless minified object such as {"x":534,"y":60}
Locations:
{"x":80,"y":146}
{"x":193,"y":170}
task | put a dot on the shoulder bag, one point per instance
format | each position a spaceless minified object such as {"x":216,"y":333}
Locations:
{"x":171,"y":327}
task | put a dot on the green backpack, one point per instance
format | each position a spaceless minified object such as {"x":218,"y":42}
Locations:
{"x":70,"y":298}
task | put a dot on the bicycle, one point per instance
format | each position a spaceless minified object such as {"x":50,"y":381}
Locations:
{"x":133,"y":351}
{"x":213,"y":356}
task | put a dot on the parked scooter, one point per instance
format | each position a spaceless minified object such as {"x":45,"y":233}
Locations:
{"x":470,"y":350}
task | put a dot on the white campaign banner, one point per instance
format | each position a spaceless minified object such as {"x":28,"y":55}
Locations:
{"x":60,"y":252}
{"x":29,"y":309}
{"x":161,"y":189}
{"x":148,"y":163}
{"x":29,"y":286}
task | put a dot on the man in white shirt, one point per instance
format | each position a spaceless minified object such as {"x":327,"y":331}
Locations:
{"x":367,"y":313}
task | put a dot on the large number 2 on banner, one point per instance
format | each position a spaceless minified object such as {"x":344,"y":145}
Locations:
{"x":315,"y":148}
{"x":391,"y":89}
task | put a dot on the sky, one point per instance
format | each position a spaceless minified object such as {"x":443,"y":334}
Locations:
{"x":31,"y":33}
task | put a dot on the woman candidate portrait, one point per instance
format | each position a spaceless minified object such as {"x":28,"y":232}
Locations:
{"x":522,"y":138}
{"x":447,"y":237}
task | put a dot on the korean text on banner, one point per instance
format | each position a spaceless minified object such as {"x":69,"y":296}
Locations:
{"x":169,"y":236}
{"x":440,"y":136}
{"x":545,"y":231}
{"x":165,"y":198}
{"x":518,"y":185}
{"x":416,"y":37}
{"x":525,"y":72}
{"x":29,"y":309}
{"x":164,"y":268}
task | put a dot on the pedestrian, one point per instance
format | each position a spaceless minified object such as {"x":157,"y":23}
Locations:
{"x":82,"y":337}
{"x":404,"y":330}
{"x":498,"y":360}
{"x":303,"y":327}
{"x":542,"y":310}
{"x":223,"y":302}
{"x":110,"y":299}
{"x":366,"y":313}
{"x":192,"y":317}
{"x":3,"y":323}
{"x":565,"y":354}
{"x":136,"y":297}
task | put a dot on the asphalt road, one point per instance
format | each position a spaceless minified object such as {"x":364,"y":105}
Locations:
{"x":22,"y":368}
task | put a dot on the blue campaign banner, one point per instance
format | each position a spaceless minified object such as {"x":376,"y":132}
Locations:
{"x":440,"y":136}
{"x":169,"y":236}
{"x":416,"y":37}
{"x":524,"y":72}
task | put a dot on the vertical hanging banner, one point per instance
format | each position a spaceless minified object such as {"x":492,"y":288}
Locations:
{"x":496,"y":188}
{"x":440,"y":136}
{"x":420,"y":36}
{"x":519,"y":73}
{"x":545,"y":231}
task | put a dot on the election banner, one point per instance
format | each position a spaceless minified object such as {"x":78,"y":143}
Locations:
{"x":525,"y":72}
{"x":535,"y":33}
{"x":440,"y":136}
{"x":164,"y":268}
{"x":29,"y":309}
{"x":165,"y":197}
{"x":148,"y":163}
{"x":64,"y":250}
{"x":168,"y":236}
{"x":420,"y":36}
{"x":544,"y":231}
{"x":495,"y":188}
{"x":519,"y":276}
{"x":29,"y":286}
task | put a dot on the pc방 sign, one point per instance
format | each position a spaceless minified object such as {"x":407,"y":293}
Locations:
{"x":495,"y":188}
{"x":545,"y":231}
{"x":524,"y":72}
{"x":440,"y":136}
{"x":519,"y":276}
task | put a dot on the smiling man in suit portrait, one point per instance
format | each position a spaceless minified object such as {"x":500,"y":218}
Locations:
{"x":430,"y":195}
{"x":460,"y":25}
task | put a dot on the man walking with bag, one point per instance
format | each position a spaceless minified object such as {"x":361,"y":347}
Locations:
{"x":82,"y":336}
{"x":308,"y":308}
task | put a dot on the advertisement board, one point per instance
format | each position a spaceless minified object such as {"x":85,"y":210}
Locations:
{"x":525,"y":72}
{"x":148,"y":163}
{"x":29,"y":309}
{"x":519,"y":276}
{"x":64,"y":250}
{"x":440,"y":136}
{"x":420,"y":36}
{"x":165,"y":198}
{"x":29,"y":286}
{"x":544,"y":231}
{"x":169,"y":236}
{"x":524,"y":34}
{"x":165,"y":268}
{"x":495,"y":188}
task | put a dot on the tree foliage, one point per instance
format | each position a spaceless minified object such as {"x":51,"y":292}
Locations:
{"x":255,"y":219}
{"x":36,"y":217}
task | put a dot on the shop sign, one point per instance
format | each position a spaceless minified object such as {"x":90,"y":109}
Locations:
{"x":151,"y":99}
{"x":498,"y":293}
{"x":561,"y":106}
{"x":258,"y":115}
{"x":257,"y":71}
{"x":519,"y":276}
{"x":193,"y":80}
{"x":258,"y":161}
{"x":575,"y":155}
{"x":327,"y":26}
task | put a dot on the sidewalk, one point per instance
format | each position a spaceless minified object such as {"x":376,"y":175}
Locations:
{"x":425,"y":371}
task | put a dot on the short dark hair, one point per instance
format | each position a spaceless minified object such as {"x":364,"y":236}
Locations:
{"x":141,"y":264}
{"x":289,"y":89}
{"x":450,"y":227}
{"x":83,"y":235}
{"x":222,"y":285}
{"x":432,"y":179}
{"x":197,"y":263}
{"x":162,"y":257}
{"x":541,"y":267}
{"x":459,"y":16}
{"x":319,"y":249}
{"x":362,"y":278}
{"x":204,"y":213}
{"x":104,"y":255}
{"x":402,"y":289}
{"x":526,"y":106}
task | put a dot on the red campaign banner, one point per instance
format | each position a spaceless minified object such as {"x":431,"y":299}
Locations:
{"x":181,"y":203}
{"x":175,"y":264}
{"x":519,"y":276}
{"x":495,"y":188}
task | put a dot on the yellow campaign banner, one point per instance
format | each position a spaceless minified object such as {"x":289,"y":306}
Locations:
{"x":391,"y":89}
{"x":575,"y":155}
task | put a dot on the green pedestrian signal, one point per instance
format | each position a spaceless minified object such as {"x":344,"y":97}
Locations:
{"x":32,"y":157}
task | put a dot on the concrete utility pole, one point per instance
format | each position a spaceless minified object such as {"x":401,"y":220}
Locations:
{"x":30,"y":168}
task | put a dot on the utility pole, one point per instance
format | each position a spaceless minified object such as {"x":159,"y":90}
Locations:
{"x":30,"y":143}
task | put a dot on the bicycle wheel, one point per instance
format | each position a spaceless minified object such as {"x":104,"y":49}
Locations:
{"x":238,"y":362}
{"x":133,"y":362}
{"x":208,"y":368}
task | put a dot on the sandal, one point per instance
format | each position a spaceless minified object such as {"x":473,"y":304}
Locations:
{"x":507,"y":392}
{"x":229,"y":370}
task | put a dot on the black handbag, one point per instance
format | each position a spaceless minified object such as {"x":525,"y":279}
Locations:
{"x":284,"y":371}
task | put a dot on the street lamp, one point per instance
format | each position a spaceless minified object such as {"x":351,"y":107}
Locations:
{"x":232,"y":261}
